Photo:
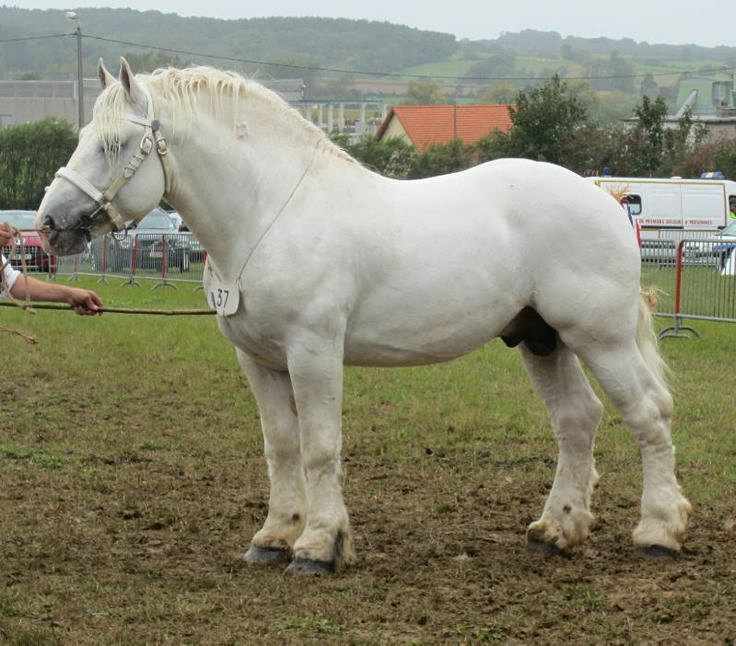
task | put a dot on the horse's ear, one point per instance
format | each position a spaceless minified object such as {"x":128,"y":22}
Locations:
{"x":133,"y":89}
{"x":106,"y":79}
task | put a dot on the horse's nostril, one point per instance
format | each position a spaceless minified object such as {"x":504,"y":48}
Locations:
{"x":48,"y":221}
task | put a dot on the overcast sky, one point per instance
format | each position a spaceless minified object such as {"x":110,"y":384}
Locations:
{"x":704,"y":22}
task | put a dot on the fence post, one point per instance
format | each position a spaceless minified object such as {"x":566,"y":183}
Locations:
{"x":204,"y":264}
{"x":51,"y":267}
{"x":74,"y":277}
{"x":676,"y":330}
{"x":132,"y":282}
{"x":103,"y":261}
{"x":164,"y":265}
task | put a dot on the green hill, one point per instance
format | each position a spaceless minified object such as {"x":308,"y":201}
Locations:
{"x":340,"y":58}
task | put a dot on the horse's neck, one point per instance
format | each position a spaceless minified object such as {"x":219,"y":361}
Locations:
{"x":228,"y":194}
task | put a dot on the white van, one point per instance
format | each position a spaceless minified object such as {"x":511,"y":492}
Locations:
{"x":674,"y":204}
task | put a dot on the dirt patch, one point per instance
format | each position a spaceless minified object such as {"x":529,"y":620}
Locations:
{"x":146,"y":547}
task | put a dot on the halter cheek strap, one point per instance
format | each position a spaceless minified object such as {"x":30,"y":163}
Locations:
{"x":103,"y":199}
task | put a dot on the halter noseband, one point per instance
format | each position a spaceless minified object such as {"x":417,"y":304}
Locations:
{"x":151,"y":136}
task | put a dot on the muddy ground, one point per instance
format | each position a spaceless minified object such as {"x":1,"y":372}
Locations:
{"x":139,"y":549}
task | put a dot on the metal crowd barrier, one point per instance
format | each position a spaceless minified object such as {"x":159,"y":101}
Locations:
{"x":167,"y":259}
{"x":704,"y":284}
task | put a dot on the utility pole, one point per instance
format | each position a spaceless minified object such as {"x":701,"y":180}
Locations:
{"x":71,"y":15}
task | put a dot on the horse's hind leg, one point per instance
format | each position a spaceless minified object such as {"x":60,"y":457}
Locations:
{"x":645,"y":405}
{"x":574,"y":411}
{"x":274,"y":542}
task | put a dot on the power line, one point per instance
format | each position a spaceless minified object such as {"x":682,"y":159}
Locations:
{"x":41,"y":37}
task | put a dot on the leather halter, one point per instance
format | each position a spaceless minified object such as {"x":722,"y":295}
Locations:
{"x":151,"y":136}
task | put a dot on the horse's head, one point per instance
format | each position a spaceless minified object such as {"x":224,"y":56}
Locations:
{"x":110,"y":179}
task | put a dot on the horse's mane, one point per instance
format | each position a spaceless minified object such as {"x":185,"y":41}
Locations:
{"x":181,"y":90}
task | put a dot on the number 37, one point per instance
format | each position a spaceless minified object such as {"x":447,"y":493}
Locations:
{"x":219,"y":298}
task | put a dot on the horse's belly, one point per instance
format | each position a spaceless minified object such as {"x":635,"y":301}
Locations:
{"x":412,"y":336}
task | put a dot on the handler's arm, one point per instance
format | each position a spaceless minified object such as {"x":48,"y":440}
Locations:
{"x":82,"y":301}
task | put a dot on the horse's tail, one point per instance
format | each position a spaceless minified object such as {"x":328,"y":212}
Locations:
{"x":646,"y":337}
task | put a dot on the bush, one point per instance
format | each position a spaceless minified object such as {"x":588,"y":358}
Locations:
{"x":30,"y":154}
{"x":440,"y":159}
{"x":393,"y":157}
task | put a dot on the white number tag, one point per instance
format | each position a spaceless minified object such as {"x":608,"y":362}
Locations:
{"x":223,"y":298}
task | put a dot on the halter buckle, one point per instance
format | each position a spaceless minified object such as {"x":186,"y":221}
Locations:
{"x":146,"y":145}
{"x":162,"y":148}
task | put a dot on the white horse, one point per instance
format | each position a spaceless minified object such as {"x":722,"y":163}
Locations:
{"x":317,"y":262}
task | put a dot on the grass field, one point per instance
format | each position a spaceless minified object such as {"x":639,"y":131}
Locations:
{"x":132,"y":478}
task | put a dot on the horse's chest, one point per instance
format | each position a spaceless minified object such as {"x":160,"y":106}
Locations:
{"x":257,"y":337}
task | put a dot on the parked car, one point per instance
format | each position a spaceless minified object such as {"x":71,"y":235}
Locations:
{"x":718,"y":248}
{"x":196,"y":250}
{"x":36,"y":259}
{"x":145,"y":245}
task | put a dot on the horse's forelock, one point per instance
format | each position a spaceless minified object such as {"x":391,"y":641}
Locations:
{"x":107,"y":119}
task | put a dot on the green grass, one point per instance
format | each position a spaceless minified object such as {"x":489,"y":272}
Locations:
{"x":453,"y":68}
{"x":102,"y":370}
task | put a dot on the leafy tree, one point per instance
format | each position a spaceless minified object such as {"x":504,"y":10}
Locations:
{"x":393,"y":157}
{"x":425,"y":93}
{"x":653,"y":148}
{"x":708,"y":156}
{"x":648,"y":142}
{"x":615,"y":73}
{"x":439,"y":159}
{"x":545,"y":120}
{"x":501,"y":92}
{"x":29,"y":156}
{"x":724,"y":159}
{"x":493,"y":146}
{"x":495,"y":66}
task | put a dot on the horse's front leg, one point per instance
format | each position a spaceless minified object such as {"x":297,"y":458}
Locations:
{"x":316,"y":369}
{"x":287,"y":505}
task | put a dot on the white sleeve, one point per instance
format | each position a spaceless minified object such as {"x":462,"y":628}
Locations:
{"x":9,"y":274}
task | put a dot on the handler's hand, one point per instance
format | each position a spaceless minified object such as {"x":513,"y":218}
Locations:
{"x":84,"y":301}
{"x":6,"y":234}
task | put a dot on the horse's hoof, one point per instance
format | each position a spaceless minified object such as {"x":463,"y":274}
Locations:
{"x":658,"y":551}
{"x":309,"y":566}
{"x":266,"y":555}
{"x":545,"y":549}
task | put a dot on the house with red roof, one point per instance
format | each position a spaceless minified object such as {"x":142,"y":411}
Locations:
{"x":423,"y":125}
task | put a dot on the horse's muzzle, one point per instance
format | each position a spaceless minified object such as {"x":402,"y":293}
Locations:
{"x":61,"y":242}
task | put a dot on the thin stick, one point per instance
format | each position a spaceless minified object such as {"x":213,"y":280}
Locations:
{"x":118,"y":310}
{"x":28,"y":306}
